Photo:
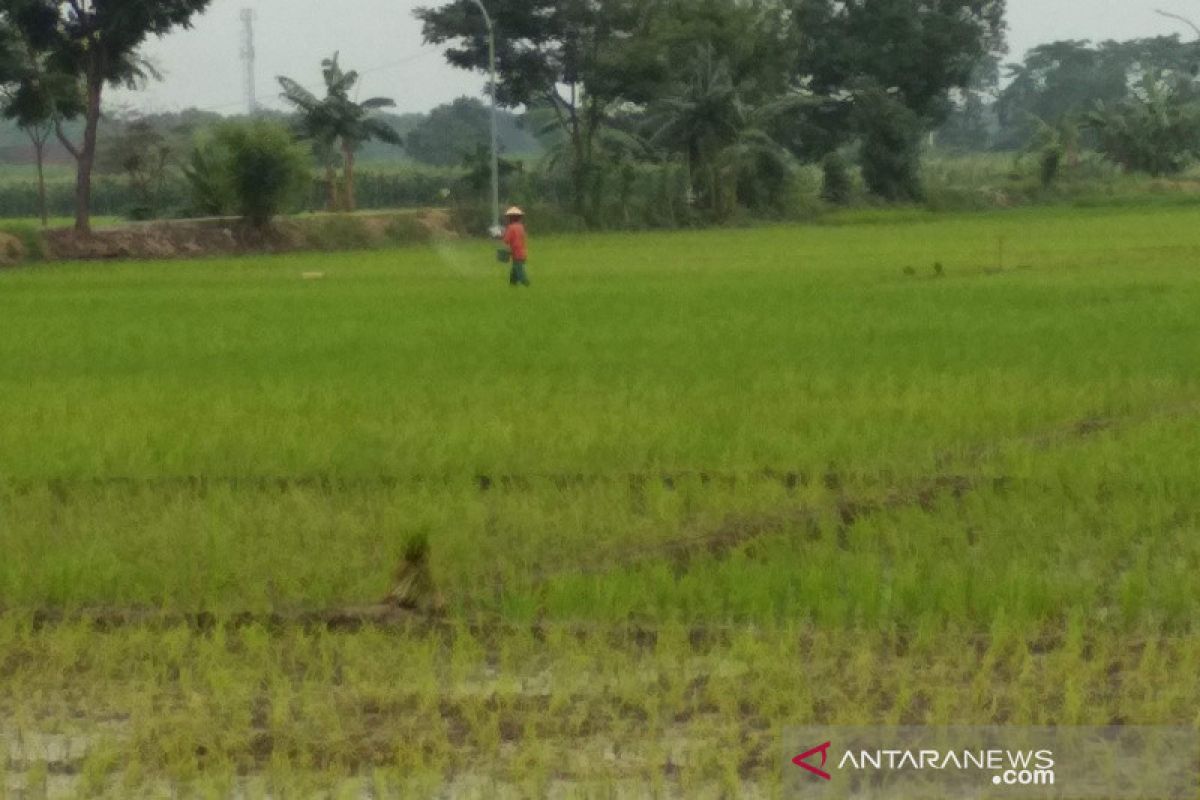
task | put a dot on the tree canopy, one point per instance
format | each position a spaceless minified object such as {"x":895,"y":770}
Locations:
{"x":1064,"y":78}
{"x":96,"y":41}
{"x":886,"y":70}
{"x":339,"y":120}
{"x":594,"y":62}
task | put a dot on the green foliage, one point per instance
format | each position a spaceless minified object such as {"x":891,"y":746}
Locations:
{"x":1156,"y":130}
{"x":885,"y":71}
{"x":210,"y":179}
{"x":1049,"y":161}
{"x":30,"y":236}
{"x":146,"y":157}
{"x":96,"y":44}
{"x":1051,"y":144}
{"x":253,"y":169}
{"x":384,"y":417}
{"x":339,"y":121}
{"x":836,"y":186}
{"x":451,"y":132}
{"x":578,"y":62}
{"x":39,"y":93}
{"x":1068,"y":78}
{"x":765,"y":469}
{"x":723,"y":138}
{"x":890,"y":154}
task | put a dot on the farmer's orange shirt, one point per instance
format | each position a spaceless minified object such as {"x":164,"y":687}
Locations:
{"x":514,"y":237}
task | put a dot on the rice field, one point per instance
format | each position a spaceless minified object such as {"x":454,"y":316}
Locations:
{"x":689,"y":490}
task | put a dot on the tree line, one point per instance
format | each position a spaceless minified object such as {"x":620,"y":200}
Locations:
{"x":712,"y":103}
{"x":730,"y":91}
{"x":728,"y":86}
{"x":1136,"y":101}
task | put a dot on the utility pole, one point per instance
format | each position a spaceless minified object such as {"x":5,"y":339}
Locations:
{"x":491,"y":33}
{"x":248,"y":59}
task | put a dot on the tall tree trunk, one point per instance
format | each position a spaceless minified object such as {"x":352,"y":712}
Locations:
{"x":39,"y":152}
{"x":87,"y":152}
{"x":348,"y":153}
{"x":579,"y":172}
{"x":331,"y":184}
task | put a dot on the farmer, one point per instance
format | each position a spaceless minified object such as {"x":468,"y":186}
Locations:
{"x":514,"y":237}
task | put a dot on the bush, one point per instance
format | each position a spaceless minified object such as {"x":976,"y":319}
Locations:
{"x":253,"y":169}
{"x":891,"y":147}
{"x":33,"y":246}
{"x":836,"y":186}
{"x":1154,"y":131}
{"x":1049,"y":163}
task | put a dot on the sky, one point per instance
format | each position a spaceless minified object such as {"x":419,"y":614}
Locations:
{"x":203,"y":67}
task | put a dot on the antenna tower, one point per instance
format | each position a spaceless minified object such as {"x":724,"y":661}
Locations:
{"x":248,"y":59}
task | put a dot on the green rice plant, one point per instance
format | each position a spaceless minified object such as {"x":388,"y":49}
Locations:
{"x":694,"y":489}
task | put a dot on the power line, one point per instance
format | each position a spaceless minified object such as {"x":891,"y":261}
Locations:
{"x":399,"y":63}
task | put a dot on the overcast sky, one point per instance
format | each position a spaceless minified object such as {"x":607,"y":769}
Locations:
{"x":381,"y":39}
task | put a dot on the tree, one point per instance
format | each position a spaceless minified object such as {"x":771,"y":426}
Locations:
{"x":250,"y":168}
{"x":721,"y":136}
{"x":578,"y":60}
{"x":10,"y":43}
{"x":1068,"y":78}
{"x":891,"y":145}
{"x":973,"y":121}
{"x":1051,"y":143}
{"x":144,"y":154}
{"x":1155,"y":130}
{"x":338,"y":121}
{"x":36,"y":96}
{"x":450,"y":132}
{"x":97,"y":40}
{"x":902,"y":58}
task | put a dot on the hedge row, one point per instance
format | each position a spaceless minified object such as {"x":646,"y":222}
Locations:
{"x":114,"y":198}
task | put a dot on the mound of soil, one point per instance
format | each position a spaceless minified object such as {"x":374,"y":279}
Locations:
{"x":217,"y":237}
{"x":12,"y":252}
{"x":166,"y":240}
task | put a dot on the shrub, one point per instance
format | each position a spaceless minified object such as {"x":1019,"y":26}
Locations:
{"x":835,"y":180}
{"x":253,"y":169}
{"x":1154,"y":131}
{"x":32,"y":245}
{"x":1049,"y":163}
{"x":891,"y":146}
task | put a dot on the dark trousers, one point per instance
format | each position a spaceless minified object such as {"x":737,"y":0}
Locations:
{"x":518,"y":276}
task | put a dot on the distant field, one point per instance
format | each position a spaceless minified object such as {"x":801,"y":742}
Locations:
{"x":65,"y":173}
{"x":689,"y":490}
{"x":28,"y":172}
{"x":57,"y":222}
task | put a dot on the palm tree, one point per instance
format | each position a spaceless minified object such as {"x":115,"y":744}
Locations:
{"x":338,"y":122}
{"x":720,"y":135}
{"x":700,"y":120}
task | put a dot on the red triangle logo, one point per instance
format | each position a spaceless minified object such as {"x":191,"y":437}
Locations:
{"x":802,"y":761}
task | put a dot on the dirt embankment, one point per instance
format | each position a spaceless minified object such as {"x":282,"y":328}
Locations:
{"x":216,"y":237}
{"x":12,"y":251}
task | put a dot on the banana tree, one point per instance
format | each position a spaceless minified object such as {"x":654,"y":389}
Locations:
{"x":337,"y":122}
